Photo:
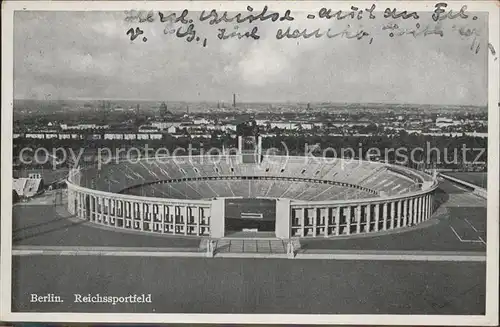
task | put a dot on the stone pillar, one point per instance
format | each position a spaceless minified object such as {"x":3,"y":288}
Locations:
{"x":410,"y":212}
{"x":384,"y":215}
{"x":405,"y":212}
{"x":399,"y":218}
{"x":283,"y":210}
{"x":419,"y":210}
{"x":428,"y":207}
{"x":377,"y":216}
{"x":415,"y":211}
{"x":93,"y":204}
{"x":424,"y":208}
{"x":368,"y":218}
{"x":348,"y":220}
{"x":426,"y":199}
{"x":132,"y":214}
{"x":141,"y":213}
{"x":112,"y":212}
{"x":326,"y":213}
{"x":197,"y":218}
{"x":315,"y":219}
{"x":109,"y":212}
{"x":425,"y":217}
{"x":90,"y":206}
{"x":104,"y":210}
{"x":302,"y":221}
{"x":84,"y":206}
{"x":149,"y":217}
{"x":174,"y":219}
{"x":100,"y":208}
{"x":393,"y":214}
{"x":337,"y":221}
{"x":121,"y":204}
{"x":217,"y":216}
{"x":94,"y":207}
{"x":185,"y":213}
{"x":358,"y":218}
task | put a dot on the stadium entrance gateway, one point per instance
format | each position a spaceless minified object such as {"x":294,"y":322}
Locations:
{"x":249,"y":215}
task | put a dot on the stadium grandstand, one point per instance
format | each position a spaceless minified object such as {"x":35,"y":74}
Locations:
{"x":194,"y":195}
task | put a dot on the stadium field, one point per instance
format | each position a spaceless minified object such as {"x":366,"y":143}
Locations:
{"x":235,"y":207}
{"x":257,"y":214}
{"x":476,"y":178}
{"x":196,"y":285}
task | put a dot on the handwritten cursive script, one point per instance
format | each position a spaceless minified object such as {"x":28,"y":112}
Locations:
{"x":235,"y":25}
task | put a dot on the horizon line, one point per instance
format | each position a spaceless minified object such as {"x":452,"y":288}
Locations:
{"x":256,"y":102}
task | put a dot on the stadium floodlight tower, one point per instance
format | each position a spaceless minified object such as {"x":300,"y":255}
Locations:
{"x":250,"y":149}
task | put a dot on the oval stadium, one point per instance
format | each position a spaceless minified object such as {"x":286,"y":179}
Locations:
{"x":261,"y":195}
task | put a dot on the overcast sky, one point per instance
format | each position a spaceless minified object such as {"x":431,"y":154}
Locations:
{"x":76,"y":55}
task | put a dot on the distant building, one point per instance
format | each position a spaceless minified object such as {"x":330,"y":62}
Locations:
{"x":148,"y":129}
{"x":445,"y":122}
{"x":201,"y":121}
{"x":34,"y":135}
{"x":229,"y":127}
{"x":291,"y":125}
{"x":64,"y":136}
{"x":113,"y":136}
{"x":82,"y":126}
{"x":170,"y":127}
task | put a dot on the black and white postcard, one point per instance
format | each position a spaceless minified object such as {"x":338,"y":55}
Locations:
{"x":250,"y":162}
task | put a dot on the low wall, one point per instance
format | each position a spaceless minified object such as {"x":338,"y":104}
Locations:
{"x":479,"y":191}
